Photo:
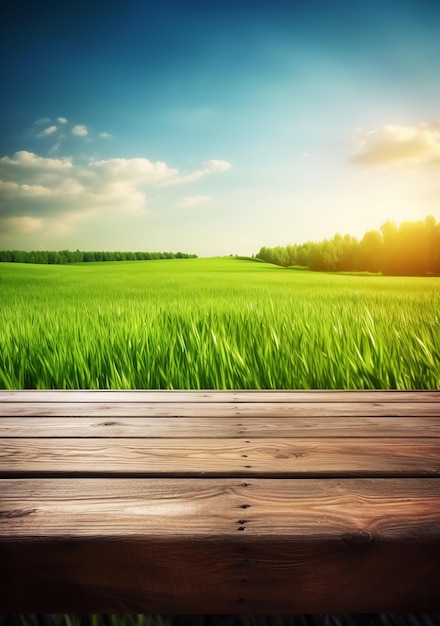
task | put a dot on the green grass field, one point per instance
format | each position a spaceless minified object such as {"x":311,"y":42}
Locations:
{"x":214,"y":324}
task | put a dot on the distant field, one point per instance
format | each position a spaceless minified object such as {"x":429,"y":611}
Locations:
{"x":214,"y":324}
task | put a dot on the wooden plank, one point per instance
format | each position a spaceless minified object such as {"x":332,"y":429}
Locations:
{"x":214,"y":427}
{"x":221,"y":457}
{"x":239,"y":501}
{"x":199,"y":409}
{"x":219,"y":546}
{"x":146,"y":396}
{"x":198,"y":508}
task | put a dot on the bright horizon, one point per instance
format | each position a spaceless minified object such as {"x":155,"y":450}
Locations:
{"x":215,"y":129}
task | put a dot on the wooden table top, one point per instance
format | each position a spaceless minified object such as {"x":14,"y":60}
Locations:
{"x":219,"y":502}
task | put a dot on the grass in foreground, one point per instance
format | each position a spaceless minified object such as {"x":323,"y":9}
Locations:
{"x":215,"y":324}
{"x":425,"y":619}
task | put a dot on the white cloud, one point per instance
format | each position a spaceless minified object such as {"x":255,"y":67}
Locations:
{"x":29,"y":191}
{"x":65,"y":191}
{"x":210,"y":167}
{"x":5,"y":185}
{"x":70,"y":187}
{"x":50,"y":195}
{"x":25,"y":162}
{"x":136,"y":170}
{"x":417,"y":145}
{"x":42,"y":187}
{"x":80,"y":130}
{"x":189,"y":201}
{"x":50,"y":130}
{"x":186,"y":178}
{"x":216,"y":166}
{"x":14,"y":190}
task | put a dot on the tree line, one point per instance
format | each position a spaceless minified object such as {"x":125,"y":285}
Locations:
{"x":61,"y":257}
{"x":410,"y":249}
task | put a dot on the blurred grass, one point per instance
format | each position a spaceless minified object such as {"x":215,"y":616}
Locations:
{"x":421,"y":619}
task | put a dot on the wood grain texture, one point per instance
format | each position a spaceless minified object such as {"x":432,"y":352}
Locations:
{"x":219,"y":427}
{"x":318,"y":395}
{"x":221,"y":457}
{"x":190,"y":546}
{"x":219,"y":501}
{"x":391,"y":509}
{"x":213,"y":576}
{"x":219,"y":409}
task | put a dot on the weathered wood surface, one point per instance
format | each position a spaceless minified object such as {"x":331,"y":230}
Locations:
{"x":219,"y":409}
{"x":219,"y":502}
{"x":189,"y":545}
{"x":97,"y":395}
{"x":222,"y":457}
{"x":219,"y":427}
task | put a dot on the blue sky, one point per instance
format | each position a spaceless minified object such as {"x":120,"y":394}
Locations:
{"x":215,"y":128}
